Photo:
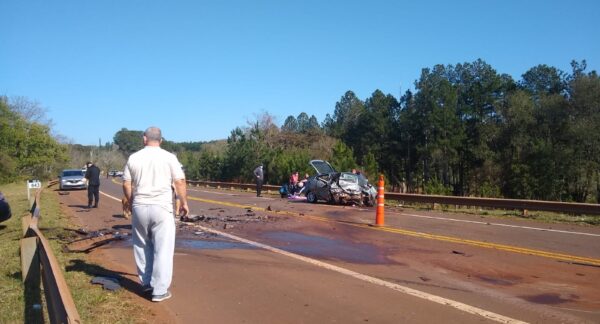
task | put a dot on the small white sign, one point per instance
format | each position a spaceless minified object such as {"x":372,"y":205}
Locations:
{"x":34,"y":184}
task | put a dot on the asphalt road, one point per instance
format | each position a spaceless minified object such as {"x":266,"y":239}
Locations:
{"x":273,"y":260}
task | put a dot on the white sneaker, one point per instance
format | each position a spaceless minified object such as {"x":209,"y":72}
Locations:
{"x":165,"y":296}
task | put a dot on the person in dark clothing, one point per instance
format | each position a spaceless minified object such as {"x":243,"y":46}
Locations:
{"x":259,"y":175}
{"x":93,"y":176}
{"x":4,"y":209}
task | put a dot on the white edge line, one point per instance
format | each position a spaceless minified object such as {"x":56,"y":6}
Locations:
{"x":498,"y":224}
{"x":406,"y":290}
{"x":109,"y":196}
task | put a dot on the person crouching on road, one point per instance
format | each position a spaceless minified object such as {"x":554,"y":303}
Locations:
{"x":147,"y":181}
{"x":293,"y":185}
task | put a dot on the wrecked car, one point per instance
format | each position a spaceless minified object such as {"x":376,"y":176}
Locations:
{"x":338,"y":187}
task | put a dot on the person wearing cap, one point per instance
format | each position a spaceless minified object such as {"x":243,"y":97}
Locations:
{"x":147,"y":179}
{"x":92,"y":174}
{"x":259,"y":176}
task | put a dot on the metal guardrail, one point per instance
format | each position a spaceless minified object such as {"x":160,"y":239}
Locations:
{"x":553,"y":206}
{"x":38,"y":261}
{"x":231,"y":185}
{"x":519,"y":204}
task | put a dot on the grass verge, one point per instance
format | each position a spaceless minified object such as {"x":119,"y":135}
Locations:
{"x":540,"y":216}
{"x":94,"y":304}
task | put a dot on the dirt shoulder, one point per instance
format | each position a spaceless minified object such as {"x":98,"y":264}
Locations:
{"x":107,"y":261}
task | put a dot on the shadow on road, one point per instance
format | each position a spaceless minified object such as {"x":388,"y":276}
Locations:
{"x":83,"y":208}
{"x":94,"y":270}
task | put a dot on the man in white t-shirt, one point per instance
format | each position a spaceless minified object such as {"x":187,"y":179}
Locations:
{"x":147,"y":179}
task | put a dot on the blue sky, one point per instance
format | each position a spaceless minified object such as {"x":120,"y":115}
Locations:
{"x":198,"y":69}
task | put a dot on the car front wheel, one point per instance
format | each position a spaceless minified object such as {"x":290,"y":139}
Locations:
{"x":311,"y":197}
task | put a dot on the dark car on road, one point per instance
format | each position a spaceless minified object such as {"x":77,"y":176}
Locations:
{"x":72,"y":179}
{"x":338,"y":187}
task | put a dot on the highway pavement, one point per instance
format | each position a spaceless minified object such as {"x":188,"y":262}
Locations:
{"x":268,"y":259}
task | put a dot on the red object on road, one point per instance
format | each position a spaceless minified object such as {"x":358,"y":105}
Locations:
{"x":379,"y":216}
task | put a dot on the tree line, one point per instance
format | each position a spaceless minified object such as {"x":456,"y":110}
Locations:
{"x":28,"y":149}
{"x":464,"y":130}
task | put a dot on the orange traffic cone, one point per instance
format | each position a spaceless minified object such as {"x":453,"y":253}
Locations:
{"x":379,"y":216}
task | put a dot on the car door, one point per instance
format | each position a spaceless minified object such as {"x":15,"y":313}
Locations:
{"x":323,"y":186}
{"x":323,"y":179}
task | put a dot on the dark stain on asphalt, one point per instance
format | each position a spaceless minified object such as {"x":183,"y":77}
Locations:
{"x":328,"y":248}
{"x":549,"y":299}
{"x":497,"y":281}
{"x":212,"y":245}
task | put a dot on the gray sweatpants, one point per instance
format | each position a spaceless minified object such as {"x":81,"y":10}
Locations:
{"x":154,"y":245}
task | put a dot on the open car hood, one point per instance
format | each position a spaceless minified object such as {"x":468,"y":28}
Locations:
{"x":322,"y":167}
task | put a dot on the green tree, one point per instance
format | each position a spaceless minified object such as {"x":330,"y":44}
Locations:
{"x":290,"y":125}
{"x":28,"y":148}
{"x":313,"y":125}
{"x":303,"y":122}
{"x":543,"y":80}
{"x":372,"y":131}
{"x":343,"y":158}
{"x":480,"y":92}
{"x":129,"y":141}
{"x":346,"y":113}
{"x":516,"y":141}
{"x":583,"y":158}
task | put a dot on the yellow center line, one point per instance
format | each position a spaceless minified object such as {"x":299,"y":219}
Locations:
{"x":503,"y":247}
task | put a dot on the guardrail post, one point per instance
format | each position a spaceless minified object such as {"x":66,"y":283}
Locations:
{"x":31,"y":276}
{"x":30,"y":261}
{"x":379,"y":216}
{"x":25,"y":221}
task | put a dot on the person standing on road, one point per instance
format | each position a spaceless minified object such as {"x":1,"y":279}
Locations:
{"x":147,"y":179}
{"x":259,"y":176}
{"x":92,"y":174}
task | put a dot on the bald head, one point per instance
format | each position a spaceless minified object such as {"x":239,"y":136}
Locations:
{"x":152,"y":136}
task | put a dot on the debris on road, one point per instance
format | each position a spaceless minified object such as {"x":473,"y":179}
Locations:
{"x":461,"y":253}
{"x":224,"y":221}
{"x":93,"y":240}
{"x":107,"y":283}
{"x":192,"y":218}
